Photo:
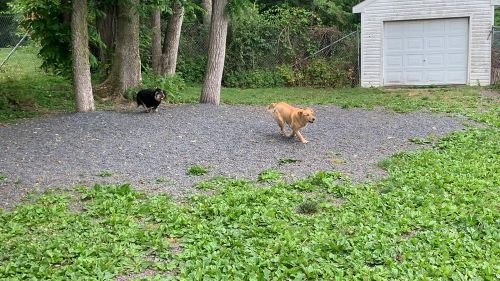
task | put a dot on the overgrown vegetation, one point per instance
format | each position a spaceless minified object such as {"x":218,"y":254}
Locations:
{"x":275,"y":47}
{"x":435,"y":216}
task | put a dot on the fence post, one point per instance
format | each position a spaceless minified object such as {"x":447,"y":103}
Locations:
{"x":358,"y":41}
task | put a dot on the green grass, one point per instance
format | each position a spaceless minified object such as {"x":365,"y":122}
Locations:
{"x":269,"y":175}
{"x":196,"y":170}
{"x":462,"y":100}
{"x":27,"y":91}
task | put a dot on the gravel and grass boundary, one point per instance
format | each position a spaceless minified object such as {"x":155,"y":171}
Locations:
{"x":155,"y":151}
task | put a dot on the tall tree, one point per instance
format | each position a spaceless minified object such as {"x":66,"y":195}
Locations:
{"x":156,"y":52}
{"x":80,"y":54}
{"x":207,"y":6}
{"x":172,"y":37}
{"x":126,"y":66}
{"x":105,"y":22}
{"x":210,"y":92}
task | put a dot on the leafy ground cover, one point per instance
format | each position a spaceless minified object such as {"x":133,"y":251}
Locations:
{"x":435,"y":216}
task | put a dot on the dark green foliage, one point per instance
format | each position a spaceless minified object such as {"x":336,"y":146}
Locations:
{"x":274,"y":48}
{"x":331,"y":13}
{"x":287,"y":160}
{"x":192,"y":57}
{"x":172,"y":84}
{"x":308,"y":207}
{"x":258,"y":78}
{"x":51,"y":25}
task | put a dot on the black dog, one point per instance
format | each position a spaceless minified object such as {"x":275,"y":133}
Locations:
{"x":150,"y":98}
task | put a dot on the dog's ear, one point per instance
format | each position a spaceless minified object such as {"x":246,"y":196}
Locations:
{"x":310,"y":109}
{"x":301,"y":112}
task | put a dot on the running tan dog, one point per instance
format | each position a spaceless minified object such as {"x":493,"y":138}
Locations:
{"x":296,"y":118}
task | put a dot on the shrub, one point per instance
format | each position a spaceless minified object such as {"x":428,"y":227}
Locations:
{"x":259,"y":78}
{"x":172,"y":85}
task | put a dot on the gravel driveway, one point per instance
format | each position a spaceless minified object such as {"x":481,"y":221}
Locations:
{"x":153,"y":151}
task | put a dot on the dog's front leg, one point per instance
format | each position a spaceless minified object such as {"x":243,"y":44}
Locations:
{"x":299,"y":135}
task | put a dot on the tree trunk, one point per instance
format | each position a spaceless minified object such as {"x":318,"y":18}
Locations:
{"x":126,"y":66}
{"x":207,"y":6}
{"x":172,"y":37}
{"x":82,"y":86}
{"x":106,"y":27}
{"x":156,"y":41}
{"x":216,"y":54}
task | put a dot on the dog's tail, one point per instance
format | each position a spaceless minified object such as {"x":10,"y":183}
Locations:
{"x":271,"y":107}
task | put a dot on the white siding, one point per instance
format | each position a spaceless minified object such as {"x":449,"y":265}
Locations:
{"x":479,"y":12}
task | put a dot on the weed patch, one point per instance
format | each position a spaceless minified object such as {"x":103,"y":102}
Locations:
{"x":269,"y":175}
{"x":196,"y":170}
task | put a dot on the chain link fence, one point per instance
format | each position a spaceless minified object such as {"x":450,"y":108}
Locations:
{"x":495,"y":55}
{"x":269,"y":57}
{"x":9,"y":40}
{"x":315,"y":57}
{"x":8,"y":31}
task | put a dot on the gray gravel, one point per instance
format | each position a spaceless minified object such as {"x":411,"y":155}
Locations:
{"x":153,"y":151}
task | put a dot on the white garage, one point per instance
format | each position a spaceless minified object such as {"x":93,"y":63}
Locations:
{"x":425,"y":42}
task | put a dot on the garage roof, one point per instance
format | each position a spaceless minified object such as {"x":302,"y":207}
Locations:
{"x":360,"y":8}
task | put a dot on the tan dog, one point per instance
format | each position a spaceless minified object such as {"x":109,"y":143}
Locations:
{"x":296,"y":118}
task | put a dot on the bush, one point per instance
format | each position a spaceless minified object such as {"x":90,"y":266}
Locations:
{"x":259,"y":78}
{"x":172,"y":85}
{"x":192,"y":69}
{"x":328,"y":73}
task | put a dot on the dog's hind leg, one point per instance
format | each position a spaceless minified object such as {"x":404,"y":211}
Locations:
{"x":280,"y":122}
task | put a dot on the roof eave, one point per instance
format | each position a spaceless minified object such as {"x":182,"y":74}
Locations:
{"x":360,"y":8}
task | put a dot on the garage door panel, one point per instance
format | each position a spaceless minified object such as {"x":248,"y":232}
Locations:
{"x":436,"y":76}
{"x":456,"y":76}
{"x":458,"y":59}
{"x":435,"y":27}
{"x":394,"y":30}
{"x":435,"y":43}
{"x":415,"y":60}
{"x":414,"y":28}
{"x":457,"y":42}
{"x":394,"y":77}
{"x":424,"y":52}
{"x":414,"y":77}
{"x":394,"y":61}
{"x":456,"y":26}
{"x":394,"y":44}
{"x":415,"y":43}
{"x":436,"y":60}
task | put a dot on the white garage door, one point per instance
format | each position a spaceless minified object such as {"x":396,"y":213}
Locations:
{"x":426,"y":52}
